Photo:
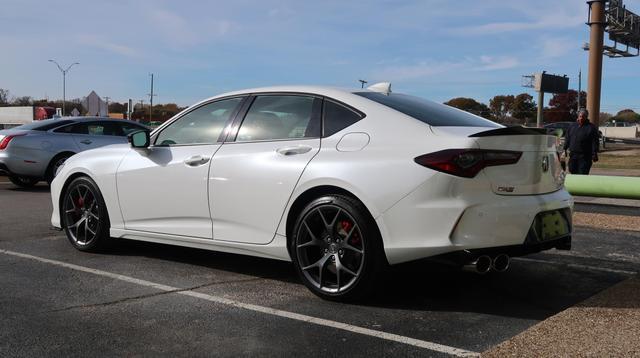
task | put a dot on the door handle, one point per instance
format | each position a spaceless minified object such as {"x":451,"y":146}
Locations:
{"x":86,"y":141}
{"x":300,"y":149}
{"x":196,"y":160}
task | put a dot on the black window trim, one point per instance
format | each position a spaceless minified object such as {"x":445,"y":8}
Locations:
{"x":235,"y":126}
{"x":221,"y":137}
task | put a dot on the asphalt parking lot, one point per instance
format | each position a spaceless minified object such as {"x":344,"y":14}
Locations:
{"x":150,"y":299}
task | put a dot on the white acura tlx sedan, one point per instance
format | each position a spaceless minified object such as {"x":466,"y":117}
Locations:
{"x":342,"y":183}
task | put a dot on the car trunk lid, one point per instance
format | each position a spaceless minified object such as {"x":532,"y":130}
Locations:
{"x":537,"y":172}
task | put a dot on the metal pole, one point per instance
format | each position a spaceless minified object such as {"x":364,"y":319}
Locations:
{"x":151,"y":99}
{"x":539,"y":121}
{"x":107,"y":98}
{"x":579,"y":88}
{"x":64,"y":90}
{"x":596,"y":42}
{"x":64,"y":81}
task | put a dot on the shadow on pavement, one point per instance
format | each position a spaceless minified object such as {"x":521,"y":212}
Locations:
{"x":528,"y":290}
{"x":41,"y":188}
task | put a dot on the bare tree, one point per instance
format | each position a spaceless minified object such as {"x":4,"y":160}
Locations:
{"x":22,"y":101}
{"x":4,"y":97}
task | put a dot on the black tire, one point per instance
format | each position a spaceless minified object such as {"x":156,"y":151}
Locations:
{"x":56,"y":162}
{"x":23,"y":182}
{"x":84,"y":215}
{"x":339,"y":230}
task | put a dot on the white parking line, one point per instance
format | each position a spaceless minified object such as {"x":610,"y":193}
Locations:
{"x":267,"y":310}
{"x":578,"y":266}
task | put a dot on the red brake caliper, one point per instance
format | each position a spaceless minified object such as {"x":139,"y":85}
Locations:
{"x":346,"y":226}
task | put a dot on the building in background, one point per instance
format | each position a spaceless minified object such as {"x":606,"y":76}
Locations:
{"x":95,"y":106}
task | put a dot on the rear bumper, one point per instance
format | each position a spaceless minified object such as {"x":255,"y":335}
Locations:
{"x":434,"y":220}
{"x":464,"y":257}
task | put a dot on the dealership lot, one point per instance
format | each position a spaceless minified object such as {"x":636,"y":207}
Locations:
{"x":140,"y":298}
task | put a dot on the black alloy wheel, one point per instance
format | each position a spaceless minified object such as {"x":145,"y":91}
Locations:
{"x":337,"y":249}
{"x":23,"y":182}
{"x":84,"y":215}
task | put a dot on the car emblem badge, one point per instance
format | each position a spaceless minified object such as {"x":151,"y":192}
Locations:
{"x":545,"y":164}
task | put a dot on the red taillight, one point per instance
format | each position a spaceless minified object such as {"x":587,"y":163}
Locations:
{"x":5,"y":141}
{"x":466,"y":162}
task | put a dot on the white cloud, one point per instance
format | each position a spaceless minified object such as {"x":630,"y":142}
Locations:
{"x":101,"y":43}
{"x":179,"y":32}
{"x":554,"y":47}
{"x":435,"y":68}
{"x":420,"y":70}
{"x":490,"y":63}
{"x":541,"y":18}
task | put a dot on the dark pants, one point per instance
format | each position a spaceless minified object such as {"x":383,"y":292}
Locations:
{"x":580,"y":163}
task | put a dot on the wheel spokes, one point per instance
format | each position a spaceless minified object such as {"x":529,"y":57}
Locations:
{"x":82,"y":210}
{"x":314,"y":240}
{"x":329,"y":240}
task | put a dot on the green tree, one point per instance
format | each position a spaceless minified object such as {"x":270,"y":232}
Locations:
{"x":627,"y":115}
{"x":523,"y":107}
{"x":564,"y":106}
{"x":501,"y":107}
{"x":116,"y":107}
{"x":470,"y":105}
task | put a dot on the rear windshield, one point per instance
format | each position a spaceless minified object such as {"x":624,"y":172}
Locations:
{"x":431,"y":113}
{"x":44,"y":125}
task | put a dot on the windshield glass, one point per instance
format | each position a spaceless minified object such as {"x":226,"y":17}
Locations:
{"x":44,"y":125}
{"x":432,"y":113}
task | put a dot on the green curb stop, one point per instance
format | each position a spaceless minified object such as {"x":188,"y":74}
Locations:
{"x":603,"y":186}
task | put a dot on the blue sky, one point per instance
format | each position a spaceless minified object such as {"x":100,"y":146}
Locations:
{"x":433,"y":48}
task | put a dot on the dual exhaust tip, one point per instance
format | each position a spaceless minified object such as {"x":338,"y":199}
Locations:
{"x":483,"y":264}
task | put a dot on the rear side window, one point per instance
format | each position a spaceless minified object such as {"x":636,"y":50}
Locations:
{"x":337,"y":117}
{"x":92,"y":128}
{"x":277,"y":117}
{"x":431,"y":113}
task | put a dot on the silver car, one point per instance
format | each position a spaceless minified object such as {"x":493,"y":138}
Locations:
{"x":34,"y":151}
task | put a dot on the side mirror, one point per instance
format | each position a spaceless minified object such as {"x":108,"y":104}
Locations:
{"x":139,"y":139}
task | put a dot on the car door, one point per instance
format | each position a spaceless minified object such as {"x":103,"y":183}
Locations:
{"x":95,"y":134}
{"x":253,"y":175}
{"x":163,"y":188}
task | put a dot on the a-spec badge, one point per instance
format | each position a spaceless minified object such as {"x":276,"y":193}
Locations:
{"x":545,"y":163}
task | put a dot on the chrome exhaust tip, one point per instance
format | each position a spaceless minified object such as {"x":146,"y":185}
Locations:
{"x":481,"y":265}
{"x":501,"y":263}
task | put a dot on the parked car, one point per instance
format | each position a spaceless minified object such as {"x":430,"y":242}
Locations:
{"x":552,"y":129}
{"x":342,"y":183}
{"x":33,"y":152}
{"x":563,"y":126}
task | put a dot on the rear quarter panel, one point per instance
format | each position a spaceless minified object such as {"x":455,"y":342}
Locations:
{"x":30,"y":154}
{"x":384,"y":171}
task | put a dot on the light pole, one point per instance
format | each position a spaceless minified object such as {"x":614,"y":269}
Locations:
{"x":64,"y":81}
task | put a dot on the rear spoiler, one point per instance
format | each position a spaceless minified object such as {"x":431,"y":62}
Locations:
{"x":511,"y":131}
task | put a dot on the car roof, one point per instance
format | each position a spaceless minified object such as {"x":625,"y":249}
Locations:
{"x":87,"y":119}
{"x":328,"y":91}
